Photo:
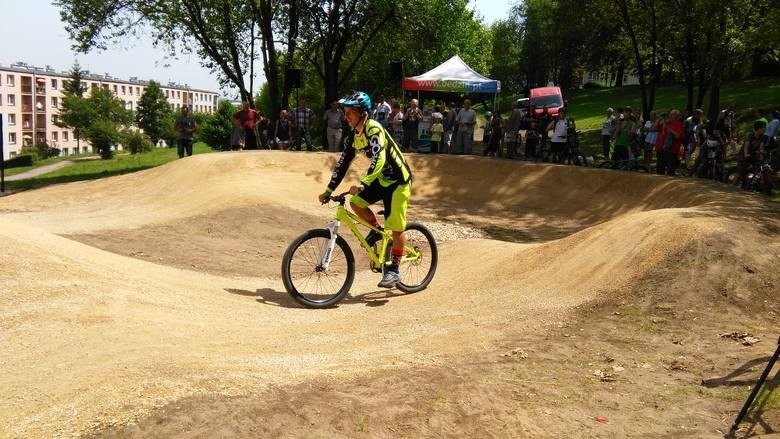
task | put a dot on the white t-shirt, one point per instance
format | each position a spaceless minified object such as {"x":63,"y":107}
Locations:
{"x":606,"y":126}
{"x":382,"y":111}
{"x":560,"y":131}
{"x":651,"y":136}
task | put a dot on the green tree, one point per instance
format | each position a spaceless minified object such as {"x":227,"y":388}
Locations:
{"x":215,"y":128}
{"x":154,"y":113}
{"x":74,"y":88}
{"x":100,"y":118}
{"x":75,"y":85}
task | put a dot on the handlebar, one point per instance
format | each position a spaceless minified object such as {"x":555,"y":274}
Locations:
{"x":340,"y":198}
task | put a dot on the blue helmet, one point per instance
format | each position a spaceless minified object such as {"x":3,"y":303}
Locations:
{"x":358,"y":100}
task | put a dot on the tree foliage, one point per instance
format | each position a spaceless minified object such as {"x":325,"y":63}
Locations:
{"x":100,"y":118}
{"x":154,"y":113}
{"x":215,"y":128}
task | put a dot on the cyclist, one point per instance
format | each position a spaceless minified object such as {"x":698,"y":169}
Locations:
{"x":388,"y":178}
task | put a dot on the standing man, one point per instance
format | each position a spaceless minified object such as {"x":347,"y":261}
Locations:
{"x":333,"y":118}
{"x":382,"y":113}
{"x":303,"y":118}
{"x":248,"y":118}
{"x":412,"y":118}
{"x":466,"y":120}
{"x":185,"y":125}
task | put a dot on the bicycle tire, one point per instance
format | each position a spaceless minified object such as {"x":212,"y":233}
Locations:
{"x":607,"y":164}
{"x":414,"y":274}
{"x":298,"y":274}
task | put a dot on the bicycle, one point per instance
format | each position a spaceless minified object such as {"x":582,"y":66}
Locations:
{"x":624,"y":165}
{"x":318,"y":267}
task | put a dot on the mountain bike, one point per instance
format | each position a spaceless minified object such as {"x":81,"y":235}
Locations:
{"x":318,"y":267}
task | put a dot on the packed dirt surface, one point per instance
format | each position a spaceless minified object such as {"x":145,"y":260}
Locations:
{"x":568,"y":302}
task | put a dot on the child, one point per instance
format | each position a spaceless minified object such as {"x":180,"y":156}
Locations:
{"x":237,"y":136}
{"x":437,"y":129}
{"x":532,"y":137}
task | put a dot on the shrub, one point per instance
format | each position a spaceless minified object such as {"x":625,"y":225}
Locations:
{"x":19,"y":161}
{"x":138,"y":143}
{"x":592,"y":85}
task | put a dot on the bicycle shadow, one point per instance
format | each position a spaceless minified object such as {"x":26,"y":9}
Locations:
{"x":272,"y":297}
{"x":755,"y":416}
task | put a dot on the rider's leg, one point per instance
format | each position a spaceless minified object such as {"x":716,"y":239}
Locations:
{"x":365,"y":213}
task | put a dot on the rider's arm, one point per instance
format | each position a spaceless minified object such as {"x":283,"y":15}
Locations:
{"x":341,"y":168}
{"x":377,"y":143}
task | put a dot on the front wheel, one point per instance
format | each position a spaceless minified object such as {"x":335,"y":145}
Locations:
{"x":421,"y":256}
{"x":304,"y":277}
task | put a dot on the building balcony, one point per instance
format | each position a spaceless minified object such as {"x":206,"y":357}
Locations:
{"x":26,"y":89}
{"x":27,"y":108}
{"x":40,"y":90}
{"x":40,"y":129}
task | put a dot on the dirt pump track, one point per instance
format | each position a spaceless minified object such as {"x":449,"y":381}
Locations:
{"x":125,"y":297}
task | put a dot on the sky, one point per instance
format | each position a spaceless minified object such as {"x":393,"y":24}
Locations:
{"x":32,"y":32}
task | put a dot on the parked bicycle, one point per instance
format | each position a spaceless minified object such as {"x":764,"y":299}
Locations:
{"x":318,"y":267}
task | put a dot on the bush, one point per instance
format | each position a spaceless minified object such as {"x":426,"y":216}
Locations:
{"x":592,"y":85}
{"x":138,"y":143}
{"x":19,"y":161}
{"x":216,"y":128}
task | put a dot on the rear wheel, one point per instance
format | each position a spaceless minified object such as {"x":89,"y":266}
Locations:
{"x":420,"y":259}
{"x":306,"y":280}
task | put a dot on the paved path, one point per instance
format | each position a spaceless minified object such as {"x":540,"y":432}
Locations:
{"x":39,"y":171}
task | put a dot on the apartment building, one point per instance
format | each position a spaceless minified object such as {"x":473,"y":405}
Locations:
{"x":30,"y":99}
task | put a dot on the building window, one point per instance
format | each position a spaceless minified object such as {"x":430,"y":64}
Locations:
{"x":11,"y":119}
{"x":64,"y":136}
{"x":11,"y":100}
{"x":55,"y":118}
{"x":1,"y":100}
{"x":178,"y":95}
{"x":54,"y":101}
{"x":10,"y":80}
{"x":124,"y":90}
{"x":54,"y":136}
{"x":65,"y":152}
{"x":167,"y":94}
{"x":12,"y":138}
{"x":116,"y":89}
{"x":84,"y":149}
{"x":54,"y":84}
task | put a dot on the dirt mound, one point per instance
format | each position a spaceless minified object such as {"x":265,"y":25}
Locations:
{"x":95,"y":338}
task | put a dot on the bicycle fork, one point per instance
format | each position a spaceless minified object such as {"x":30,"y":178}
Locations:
{"x":326,"y":252}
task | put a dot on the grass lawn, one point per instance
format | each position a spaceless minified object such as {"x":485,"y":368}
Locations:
{"x":13,"y":171}
{"x":91,"y":169}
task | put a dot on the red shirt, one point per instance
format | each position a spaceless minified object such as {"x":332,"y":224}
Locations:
{"x":248,"y":118}
{"x":672,"y":126}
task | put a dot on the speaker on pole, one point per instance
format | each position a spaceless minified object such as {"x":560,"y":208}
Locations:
{"x":396,"y":71}
{"x":293,"y":78}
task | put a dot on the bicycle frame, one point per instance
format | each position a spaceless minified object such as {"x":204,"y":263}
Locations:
{"x":351,"y":220}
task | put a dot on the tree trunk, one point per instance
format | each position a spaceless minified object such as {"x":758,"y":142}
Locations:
{"x":621,"y":72}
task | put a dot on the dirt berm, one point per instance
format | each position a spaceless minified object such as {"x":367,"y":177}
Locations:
{"x":150,"y":305}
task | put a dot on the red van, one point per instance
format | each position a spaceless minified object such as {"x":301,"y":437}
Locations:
{"x":545,"y":97}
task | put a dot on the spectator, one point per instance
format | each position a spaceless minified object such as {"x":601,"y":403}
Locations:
{"x":185,"y":125}
{"x":621,"y":113}
{"x":496,"y":134}
{"x":651,"y":135}
{"x":761,"y":116}
{"x":513,"y":124}
{"x":466,"y":120}
{"x":558,"y":141}
{"x":382,"y":112}
{"x":450,"y":127}
{"x":283,"y":130}
{"x":751,"y":154}
{"x":249,"y":119}
{"x":771,"y":132}
{"x":334,"y":118}
{"x":261,"y":127}
{"x":607,"y":126}
{"x":668,"y":147}
{"x":237,"y":136}
{"x":487,"y":129}
{"x":692,"y":139}
{"x":437,"y":131}
{"x":412,"y":117}
{"x":532,"y":138}
{"x":624,"y":132}
{"x":397,"y":123}
{"x":303,"y":119}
